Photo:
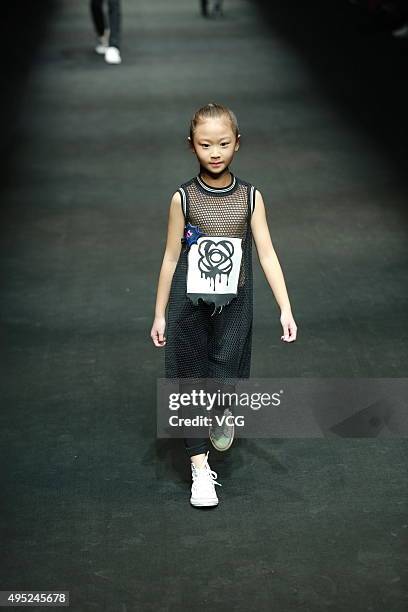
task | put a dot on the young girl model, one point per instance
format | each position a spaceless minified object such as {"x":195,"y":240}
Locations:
{"x":209,"y":327}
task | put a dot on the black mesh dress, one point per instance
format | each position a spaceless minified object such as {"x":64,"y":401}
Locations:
{"x":203,"y":341}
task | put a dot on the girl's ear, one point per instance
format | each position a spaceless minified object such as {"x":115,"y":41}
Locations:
{"x":238,"y":142}
{"x":190,"y":143}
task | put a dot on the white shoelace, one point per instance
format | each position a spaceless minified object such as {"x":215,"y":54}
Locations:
{"x":204,"y":470}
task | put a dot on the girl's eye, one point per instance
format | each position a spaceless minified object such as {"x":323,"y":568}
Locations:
{"x":223,"y":144}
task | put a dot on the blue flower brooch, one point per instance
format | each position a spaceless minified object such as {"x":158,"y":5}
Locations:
{"x":191,"y":235}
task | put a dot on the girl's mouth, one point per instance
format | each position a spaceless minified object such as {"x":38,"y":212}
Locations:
{"x":215,"y":163}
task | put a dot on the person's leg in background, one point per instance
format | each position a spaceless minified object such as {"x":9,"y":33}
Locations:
{"x":217,"y":9}
{"x":115,"y":19}
{"x":204,"y":7}
{"x":211,"y":8}
{"x":101,"y":26}
{"x":112,"y":55}
{"x":98,"y":16}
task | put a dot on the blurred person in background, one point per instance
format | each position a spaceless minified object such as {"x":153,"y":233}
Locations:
{"x":211,"y":8}
{"x":402,"y":30}
{"x":108,"y":29}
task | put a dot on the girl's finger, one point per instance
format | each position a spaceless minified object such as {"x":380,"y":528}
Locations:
{"x":292,"y":332}
{"x":155,"y":338}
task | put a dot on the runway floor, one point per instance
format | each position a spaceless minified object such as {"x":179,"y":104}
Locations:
{"x":92,"y":502}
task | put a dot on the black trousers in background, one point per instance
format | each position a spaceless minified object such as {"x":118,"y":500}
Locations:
{"x":215,"y":5}
{"x":114,"y":21}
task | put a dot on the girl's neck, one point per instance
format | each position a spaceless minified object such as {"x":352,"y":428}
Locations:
{"x":224,"y":179}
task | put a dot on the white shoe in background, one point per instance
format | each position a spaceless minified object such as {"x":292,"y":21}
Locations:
{"x":203,"y":490}
{"x":103,"y":43}
{"x":112,"y":55}
{"x":401,"y":32}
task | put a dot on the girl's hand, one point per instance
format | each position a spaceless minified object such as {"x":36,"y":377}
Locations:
{"x":289,"y":326}
{"x":157,"y":333}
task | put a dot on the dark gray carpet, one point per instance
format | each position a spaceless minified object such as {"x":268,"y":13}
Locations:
{"x":91,"y":501}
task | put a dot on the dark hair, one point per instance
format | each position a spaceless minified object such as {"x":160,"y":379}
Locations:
{"x":213,"y":111}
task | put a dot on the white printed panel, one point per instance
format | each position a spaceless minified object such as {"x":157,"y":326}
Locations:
{"x":214,"y":264}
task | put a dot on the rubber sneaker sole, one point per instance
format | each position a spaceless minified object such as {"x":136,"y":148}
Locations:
{"x":203,"y":503}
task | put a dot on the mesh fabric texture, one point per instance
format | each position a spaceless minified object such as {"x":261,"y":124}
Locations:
{"x":202,"y":342}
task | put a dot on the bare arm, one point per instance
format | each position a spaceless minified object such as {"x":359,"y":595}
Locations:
{"x":270,"y":264}
{"x":175,"y":233}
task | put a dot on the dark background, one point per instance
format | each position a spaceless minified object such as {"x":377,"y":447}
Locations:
{"x":90,"y":156}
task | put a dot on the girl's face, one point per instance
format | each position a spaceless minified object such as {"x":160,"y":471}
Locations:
{"x":214,"y":144}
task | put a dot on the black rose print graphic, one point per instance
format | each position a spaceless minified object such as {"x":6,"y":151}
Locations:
{"x":215,"y":258}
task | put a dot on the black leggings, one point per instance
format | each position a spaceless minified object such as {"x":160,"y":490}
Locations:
{"x":100,"y":22}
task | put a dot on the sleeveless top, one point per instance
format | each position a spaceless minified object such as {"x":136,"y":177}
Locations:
{"x":210,"y":340}
{"x":219,"y":211}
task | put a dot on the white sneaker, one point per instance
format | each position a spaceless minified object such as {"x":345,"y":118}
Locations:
{"x":401,"y":32}
{"x":222,"y":436}
{"x":203,"y":489}
{"x":112,"y":55}
{"x":103,"y":43}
